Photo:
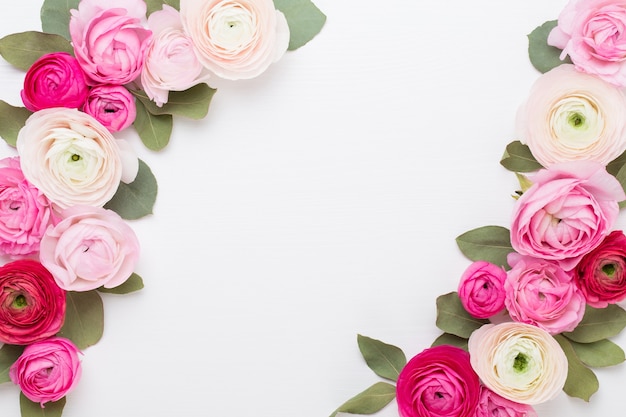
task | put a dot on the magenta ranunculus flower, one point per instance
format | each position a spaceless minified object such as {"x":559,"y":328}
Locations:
{"x":570,"y":208}
{"x":601,"y":274}
{"x":541,"y":293}
{"x":54,"y":80}
{"x":438,"y":382}
{"x":112,"y":105}
{"x":47,"y":370}
{"x":110,"y":39}
{"x":481,"y":289}
{"x":25,"y":212}
{"x":32,"y":306}
{"x":493,"y":405}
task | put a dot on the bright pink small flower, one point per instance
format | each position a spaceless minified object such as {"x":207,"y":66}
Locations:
{"x":481,"y":289}
{"x":111,"y":105}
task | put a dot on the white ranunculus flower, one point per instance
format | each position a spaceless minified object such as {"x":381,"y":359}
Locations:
{"x":72,"y":158}
{"x":235,"y":39}
{"x":518,"y":361}
{"x":570,"y":115}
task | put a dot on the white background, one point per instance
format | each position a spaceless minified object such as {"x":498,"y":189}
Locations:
{"x":315,"y":202}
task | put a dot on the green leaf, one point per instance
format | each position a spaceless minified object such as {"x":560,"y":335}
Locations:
{"x":621,"y":177}
{"x":544,"y":57}
{"x":154,"y":131}
{"x":154,"y":5}
{"x":452,"y":340}
{"x":599,"y":354}
{"x":616,"y":165}
{"x":135,"y":200}
{"x":487,"y":243}
{"x":55,"y":16}
{"x":598,"y":324}
{"x":518,"y":158}
{"x":84,"y":318}
{"x":370,"y":401}
{"x":305,"y":20}
{"x":8,"y":355}
{"x":29,"y":408}
{"x":12,"y":120}
{"x":385,"y":360}
{"x":192,"y":103}
{"x":133,"y":283}
{"x":581,"y":382}
{"x":22,"y":49}
{"x":453,"y":318}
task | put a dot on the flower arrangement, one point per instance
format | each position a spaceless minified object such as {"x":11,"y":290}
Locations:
{"x":535,"y":310}
{"x":67,"y":194}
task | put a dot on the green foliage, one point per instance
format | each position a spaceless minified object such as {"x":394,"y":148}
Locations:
{"x":133,"y":283}
{"x":84,"y":318}
{"x":581,"y":382}
{"x":452,"y":340}
{"x":518,"y":158}
{"x":55,"y":16}
{"x":12,"y":119}
{"x":453,"y":318}
{"x":192,"y":103}
{"x":616,"y":165}
{"x":29,"y":408}
{"x":370,"y":401}
{"x":154,"y":5}
{"x":135,"y":200}
{"x":154,"y":131}
{"x":22,"y":49}
{"x":487,"y":243}
{"x":305,"y":20}
{"x":8,"y":355}
{"x":621,"y":177}
{"x":598,"y":324}
{"x":599,"y":354}
{"x":385,"y":360}
{"x":544,"y":57}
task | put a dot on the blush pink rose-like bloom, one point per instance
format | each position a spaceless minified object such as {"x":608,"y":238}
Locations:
{"x":592,"y":33}
{"x":110,"y":39}
{"x":438,"y":382}
{"x":54,"y":80}
{"x":493,"y":405}
{"x":570,"y":115}
{"x":32,"y":306}
{"x":47,"y":370}
{"x":236,"y":39}
{"x":91,"y":247}
{"x":111,"y":105}
{"x":567,"y":212}
{"x":540,"y":293}
{"x":171,"y":62}
{"x":481,"y":289}
{"x":25,"y":212}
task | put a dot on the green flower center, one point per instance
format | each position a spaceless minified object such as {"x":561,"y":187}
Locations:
{"x":576,"y":120}
{"x":75,"y":157}
{"x":520,"y":364}
{"x":19,"y":302}
{"x":609,"y":270}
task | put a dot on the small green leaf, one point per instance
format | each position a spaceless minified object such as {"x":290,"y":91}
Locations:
{"x":621,"y":177}
{"x":12,"y":120}
{"x":385,"y":360}
{"x":29,"y":408}
{"x":616,"y":165}
{"x":487,"y":243}
{"x":135,"y":200}
{"x":453,"y":318}
{"x":581,"y":382}
{"x":599,"y":354}
{"x":84,"y":318}
{"x":370,"y":401}
{"x":8,"y":355}
{"x":55,"y":16}
{"x":192,"y":103}
{"x":452,"y":340}
{"x":544,"y":57}
{"x":598,"y":324}
{"x":154,"y":131}
{"x":305,"y":20}
{"x":133,"y":283}
{"x":518,"y":158}
{"x":154,"y":5}
{"x":22,"y":49}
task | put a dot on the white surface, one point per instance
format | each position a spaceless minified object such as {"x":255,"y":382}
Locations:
{"x":316,"y":202}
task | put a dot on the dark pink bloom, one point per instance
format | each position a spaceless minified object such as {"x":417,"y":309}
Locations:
{"x":481,"y":289}
{"x":111,"y":105}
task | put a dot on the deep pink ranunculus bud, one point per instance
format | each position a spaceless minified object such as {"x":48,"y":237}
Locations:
{"x":111,"y":105}
{"x":481,"y":289}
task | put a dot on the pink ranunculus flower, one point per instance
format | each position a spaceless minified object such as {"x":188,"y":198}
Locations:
{"x":72,"y":158}
{"x":438,"y":382}
{"x":592,"y":33}
{"x":47,"y":370}
{"x":171,"y":63}
{"x":91,"y":247}
{"x":566,"y":213}
{"x":541,"y":293}
{"x":25,"y":212}
{"x":236,"y":39}
{"x":570,"y":115}
{"x":493,"y":405}
{"x":481,"y":289}
{"x":110,"y":39}
{"x":54,"y":80}
{"x":111,"y":105}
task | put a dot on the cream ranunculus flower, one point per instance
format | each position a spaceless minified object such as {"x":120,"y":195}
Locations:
{"x":72,"y":158}
{"x":235,"y":39}
{"x":570,"y":115}
{"x":518,"y":361}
